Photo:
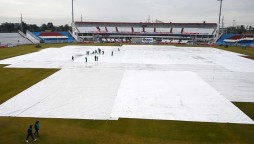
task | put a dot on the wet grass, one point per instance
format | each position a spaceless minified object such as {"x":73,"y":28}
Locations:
{"x":123,"y":131}
{"x":23,"y":49}
{"x":247,"y":107}
{"x":14,"y":81}
{"x":249,"y":52}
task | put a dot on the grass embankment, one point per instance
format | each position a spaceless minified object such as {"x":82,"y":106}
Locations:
{"x":124,"y":131}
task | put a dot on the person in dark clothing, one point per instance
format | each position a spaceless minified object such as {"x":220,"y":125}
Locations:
{"x":95,"y":58}
{"x":102,"y":52}
{"x":30,"y":133}
{"x":37,"y":128}
{"x":112,"y":53}
{"x":86,"y":59}
{"x":72,"y":57}
{"x":99,"y":51}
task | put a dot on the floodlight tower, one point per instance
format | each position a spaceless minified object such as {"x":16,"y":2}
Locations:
{"x":72,"y":22}
{"x":21,"y":23}
{"x":219,"y":22}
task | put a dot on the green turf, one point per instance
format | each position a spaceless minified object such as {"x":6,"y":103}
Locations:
{"x":127,"y":131}
{"x":1,"y":66}
{"x":248,"y":51}
{"x":124,"y":131}
{"x":14,"y":81}
{"x":247,"y":107}
{"x":23,"y":49}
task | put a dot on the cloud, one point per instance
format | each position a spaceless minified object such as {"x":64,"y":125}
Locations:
{"x":59,"y":11}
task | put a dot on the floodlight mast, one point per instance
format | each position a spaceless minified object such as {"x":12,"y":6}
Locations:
{"x":72,"y":23}
{"x":219,"y":22}
{"x":220,"y":11}
{"x":21,"y":23}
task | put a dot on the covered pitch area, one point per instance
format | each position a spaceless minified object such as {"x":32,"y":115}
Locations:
{"x":141,"y":82}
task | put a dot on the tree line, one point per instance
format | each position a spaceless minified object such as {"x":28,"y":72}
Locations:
{"x":14,"y":27}
{"x":240,"y":30}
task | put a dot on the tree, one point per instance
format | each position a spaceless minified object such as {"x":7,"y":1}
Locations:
{"x":34,"y":28}
{"x":66,"y":28}
{"x":237,"y":30}
{"x":43,"y":27}
{"x":14,"y":27}
{"x":50,"y":27}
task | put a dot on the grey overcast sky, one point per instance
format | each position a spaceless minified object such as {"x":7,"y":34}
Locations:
{"x":59,"y":11}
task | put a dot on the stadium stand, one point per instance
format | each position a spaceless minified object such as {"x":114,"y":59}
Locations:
{"x":111,"y":29}
{"x":166,"y":41}
{"x":177,"y":31}
{"x":88,"y":29}
{"x":126,"y":31}
{"x":175,"y":41}
{"x":13,"y":39}
{"x":69,"y":36}
{"x":54,"y":37}
{"x":236,"y":40}
{"x":32,"y":37}
{"x":163,"y":30}
{"x":138,"y":30}
{"x":102,"y":29}
{"x":184,"y":41}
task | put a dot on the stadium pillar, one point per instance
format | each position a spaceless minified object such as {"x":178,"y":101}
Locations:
{"x":98,"y":28}
{"x":182,"y":30}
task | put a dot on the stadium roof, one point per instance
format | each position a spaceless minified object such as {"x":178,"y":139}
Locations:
{"x":142,"y":24}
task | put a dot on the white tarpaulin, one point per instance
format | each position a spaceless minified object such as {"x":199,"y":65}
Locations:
{"x":156,"y":82}
{"x":173,"y":96}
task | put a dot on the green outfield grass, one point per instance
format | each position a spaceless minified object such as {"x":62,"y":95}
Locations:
{"x":14,"y":81}
{"x":248,"y":108}
{"x":249,"y":52}
{"x":23,"y":49}
{"x":123,"y":131}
